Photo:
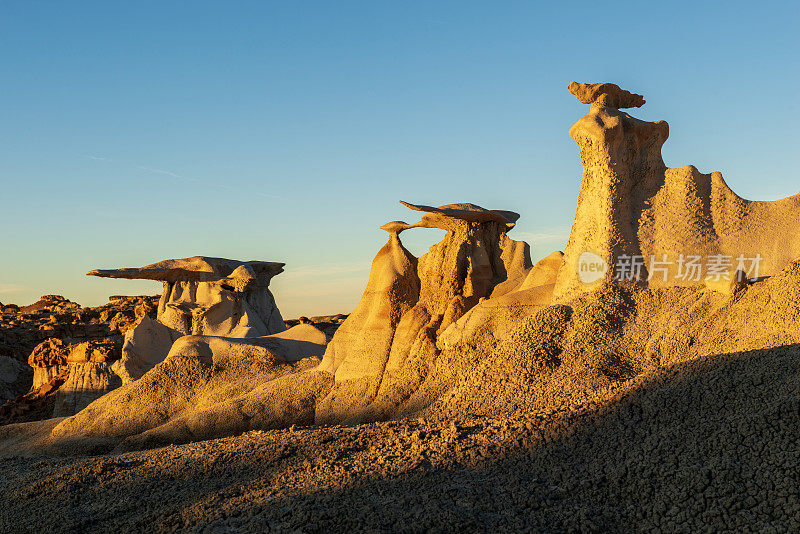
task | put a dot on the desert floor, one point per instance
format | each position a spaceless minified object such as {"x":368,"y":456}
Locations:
{"x":719,"y":459}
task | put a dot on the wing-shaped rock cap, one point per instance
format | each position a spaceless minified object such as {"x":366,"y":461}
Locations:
{"x":395,"y":227}
{"x":605,"y":94}
{"x":463,"y":211}
{"x":199,"y":268}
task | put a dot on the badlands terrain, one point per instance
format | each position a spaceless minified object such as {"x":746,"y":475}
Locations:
{"x":647,"y":378}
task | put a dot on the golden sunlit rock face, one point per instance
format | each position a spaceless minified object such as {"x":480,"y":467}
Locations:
{"x":646,"y":378}
{"x":657,"y":220}
{"x":381,"y":356}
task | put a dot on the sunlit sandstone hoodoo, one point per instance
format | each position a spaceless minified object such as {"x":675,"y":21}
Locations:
{"x":201,"y":295}
{"x":382,"y":355}
{"x":630,"y":204}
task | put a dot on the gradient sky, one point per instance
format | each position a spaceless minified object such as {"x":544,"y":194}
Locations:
{"x":132,"y":132}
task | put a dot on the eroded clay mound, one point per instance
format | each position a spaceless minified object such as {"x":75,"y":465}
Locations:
{"x":578,"y":354}
{"x":208,"y":387}
{"x":358,"y":352}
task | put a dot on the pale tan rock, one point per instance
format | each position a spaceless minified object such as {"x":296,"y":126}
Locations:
{"x":48,"y":360}
{"x":87,"y":382}
{"x":632,"y":206}
{"x":496,"y":317}
{"x":545,"y":272}
{"x":43,"y":375}
{"x":196,"y":268}
{"x":440,"y":217}
{"x":296,"y":343}
{"x":146,"y":344}
{"x":93,"y":351}
{"x":395,"y":227}
{"x":207,"y":387}
{"x":357,"y":354}
{"x":49,"y":352}
{"x":201,"y":296}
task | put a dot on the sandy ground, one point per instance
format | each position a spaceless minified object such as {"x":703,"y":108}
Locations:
{"x":703,"y":438}
{"x":657,"y":457}
{"x":407,"y":475}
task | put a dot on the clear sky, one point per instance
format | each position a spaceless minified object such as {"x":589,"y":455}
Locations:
{"x":132,"y":132}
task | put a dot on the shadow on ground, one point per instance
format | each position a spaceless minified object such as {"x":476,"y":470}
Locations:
{"x":710,"y":445}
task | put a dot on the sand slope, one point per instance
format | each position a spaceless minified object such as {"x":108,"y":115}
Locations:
{"x":707,"y":444}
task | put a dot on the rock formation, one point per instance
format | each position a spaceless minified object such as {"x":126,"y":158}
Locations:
{"x":201,"y":296}
{"x":375,"y":366}
{"x":53,"y":316}
{"x":67,"y":372}
{"x":645,"y":222}
{"x":530,"y":393}
{"x":227,"y":354}
{"x":55,"y":337}
{"x":85,"y":382}
{"x":381,"y":355}
{"x":210,"y":386}
{"x":212,"y":296}
{"x":608,"y":95}
{"x":48,"y":360}
{"x":326,"y":323}
{"x":500,"y":315}
{"x":359,"y":350}
{"x":429,"y":333}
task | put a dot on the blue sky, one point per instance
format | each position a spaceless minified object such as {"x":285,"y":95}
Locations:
{"x":287,"y":131}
